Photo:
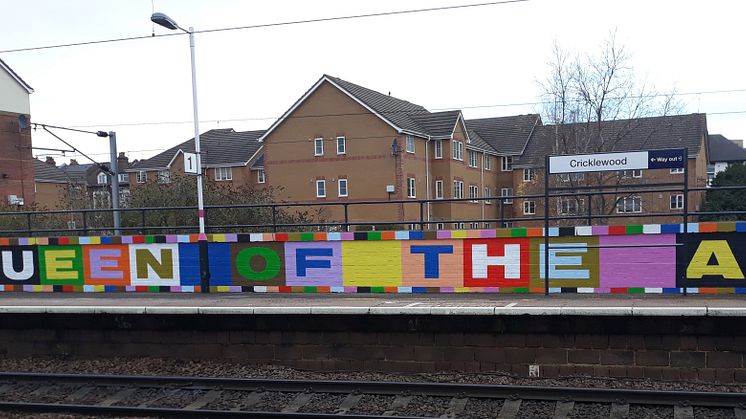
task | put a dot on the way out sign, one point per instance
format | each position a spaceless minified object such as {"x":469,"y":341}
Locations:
{"x":634,"y":160}
{"x":190,"y":164}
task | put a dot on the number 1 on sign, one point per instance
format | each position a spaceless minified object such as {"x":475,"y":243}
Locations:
{"x":190,"y":163}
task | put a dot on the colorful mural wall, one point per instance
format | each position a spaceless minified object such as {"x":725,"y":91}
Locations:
{"x":630,"y":259}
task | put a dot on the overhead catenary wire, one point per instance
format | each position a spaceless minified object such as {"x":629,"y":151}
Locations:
{"x":273,"y":24}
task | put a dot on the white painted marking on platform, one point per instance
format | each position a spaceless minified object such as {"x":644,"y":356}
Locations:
{"x":511,"y":305}
{"x":412,"y":304}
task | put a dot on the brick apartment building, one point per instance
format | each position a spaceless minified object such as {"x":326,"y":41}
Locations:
{"x":16,"y":160}
{"x":228,"y":157}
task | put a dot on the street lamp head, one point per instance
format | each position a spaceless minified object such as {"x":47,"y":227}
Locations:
{"x":165,"y":21}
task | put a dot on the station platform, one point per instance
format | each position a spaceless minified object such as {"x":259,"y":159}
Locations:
{"x":387,"y":304}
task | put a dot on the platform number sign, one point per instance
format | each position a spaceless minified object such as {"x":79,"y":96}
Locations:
{"x":190,"y":164}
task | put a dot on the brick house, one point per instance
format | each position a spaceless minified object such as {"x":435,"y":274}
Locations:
{"x":228,"y":156}
{"x":343,"y":143}
{"x":95,"y":181}
{"x":723,"y":153}
{"x":51,"y":183}
{"x":16,"y":160}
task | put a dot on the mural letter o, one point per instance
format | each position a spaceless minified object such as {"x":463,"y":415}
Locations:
{"x":271,"y":260}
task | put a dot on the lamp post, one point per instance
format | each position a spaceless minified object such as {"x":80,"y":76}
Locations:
{"x":164,"y":20}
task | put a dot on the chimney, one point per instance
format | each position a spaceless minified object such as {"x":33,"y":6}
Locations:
{"x":50,"y":161}
{"x":123,"y":161}
{"x":73,"y":162}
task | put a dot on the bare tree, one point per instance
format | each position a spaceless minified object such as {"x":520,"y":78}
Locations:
{"x":593,"y":102}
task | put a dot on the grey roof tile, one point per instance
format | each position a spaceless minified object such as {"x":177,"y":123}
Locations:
{"x":628,"y":135}
{"x":724,"y":150}
{"x":506,"y":135}
{"x":219,"y":147}
{"x":436,"y":124}
{"x":44,"y":172}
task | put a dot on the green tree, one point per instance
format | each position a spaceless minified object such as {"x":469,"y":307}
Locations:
{"x":727,"y":200}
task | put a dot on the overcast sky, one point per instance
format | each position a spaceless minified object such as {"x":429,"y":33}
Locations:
{"x":490,"y":55}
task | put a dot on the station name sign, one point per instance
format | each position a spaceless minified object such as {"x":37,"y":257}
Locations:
{"x":635,"y":160}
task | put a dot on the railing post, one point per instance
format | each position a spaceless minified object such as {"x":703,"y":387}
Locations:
{"x":85,"y":222}
{"x":546,"y":225}
{"x":28,"y":223}
{"x":142,"y":221}
{"x":422,"y":215}
{"x":204,"y":217}
{"x":347,"y":217}
{"x":502,"y":212}
{"x":590,"y":210}
{"x":274,"y":218}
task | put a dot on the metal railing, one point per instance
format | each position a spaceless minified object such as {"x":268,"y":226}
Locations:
{"x":282,"y":216}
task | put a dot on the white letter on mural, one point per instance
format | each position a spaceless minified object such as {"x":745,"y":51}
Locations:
{"x":28,"y":266}
{"x":480,"y":261}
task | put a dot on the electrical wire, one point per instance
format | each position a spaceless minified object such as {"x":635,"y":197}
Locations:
{"x":273,"y":24}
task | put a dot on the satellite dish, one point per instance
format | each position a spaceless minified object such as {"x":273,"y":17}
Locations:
{"x":23,"y":121}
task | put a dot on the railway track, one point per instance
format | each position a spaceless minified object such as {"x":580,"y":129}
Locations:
{"x":156,"y":396}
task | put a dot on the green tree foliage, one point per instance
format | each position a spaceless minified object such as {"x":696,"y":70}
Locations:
{"x":727,"y":200}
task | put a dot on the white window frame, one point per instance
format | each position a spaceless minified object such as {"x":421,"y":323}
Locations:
{"x":439,"y":189}
{"x":343,"y":143}
{"x":623,"y":207}
{"x":487,"y":194}
{"x":563,"y":206}
{"x":506,"y":164}
{"x":124,"y":177}
{"x":473,"y":225}
{"x":473,"y":193}
{"x":260,"y":176}
{"x":458,"y":226}
{"x":529,"y":207}
{"x":473,"y":158}
{"x":409,"y":145}
{"x":164,"y":176}
{"x":411,"y":187}
{"x":319,"y":192}
{"x":223,"y":174}
{"x":458,"y":189}
{"x":506,"y":192}
{"x":676,"y":202}
{"x":142,"y":176}
{"x":339,"y":188}
{"x":631,"y":173}
{"x":318,"y":143}
{"x":438,"y":149}
{"x":566,"y":177}
{"x":102,"y":178}
{"x":677,"y":170}
{"x":458,"y":150}
{"x":529,"y":175}
{"x":487,"y":162}
{"x":440,"y":226}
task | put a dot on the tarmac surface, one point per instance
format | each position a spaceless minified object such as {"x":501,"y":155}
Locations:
{"x":376,"y":304}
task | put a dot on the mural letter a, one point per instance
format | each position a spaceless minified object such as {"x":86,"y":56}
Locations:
{"x":726,"y":266}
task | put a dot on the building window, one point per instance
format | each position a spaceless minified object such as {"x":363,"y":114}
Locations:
{"x":223,"y":173}
{"x":710,"y":174}
{"x":487,"y":194}
{"x":486,"y":225}
{"x":507,"y":164}
{"x":440,"y":226}
{"x":124,"y":178}
{"x":458,"y":189}
{"x":529,"y":207}
{"x":318,"y":147}
{"x":164,"y":176}
{"x":342,"y":187}
{"x":677,"y":170}
{"x":260,"y":176}
{"x":637,"y":173}
{"x":507,"y":192}
{"x":529,"y":175}
{"x":566,"y":177}
{"x":677,"y":201}
{"x":142,"y":176}
{"x":102,"y":179}
{"x":487,"y":162}
{"x":629,"y":204}
{"x":472,"y":158}
{"x":570,"y":206}
{"x":411,"y":187}
{"x":438,"y":149}
{"x":473,"y":226}
{"x":410,"y":144}
{"x":341,"y":145}
{"x":438,"y":189}
{"x":473,"y":193}
{"x":458,"y":150}
{"x":459,"y":226}
{"x":508,"y":224}
{"x":321,"y":189}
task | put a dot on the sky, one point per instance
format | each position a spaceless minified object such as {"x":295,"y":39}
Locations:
{"x":478,"y":59}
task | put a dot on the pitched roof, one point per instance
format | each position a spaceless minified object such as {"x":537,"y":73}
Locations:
{"x":724,"y":150}
{"x":219,"y":147}
{"x":659,"y":132}
{"x":76,"y":172}
{"x":507,"y":135}
{"x":436,"y":124}
{"x":16,"y":77}
{"x":44,"y":172}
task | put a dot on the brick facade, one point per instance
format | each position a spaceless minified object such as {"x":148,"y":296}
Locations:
{"x":16,"y":160}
